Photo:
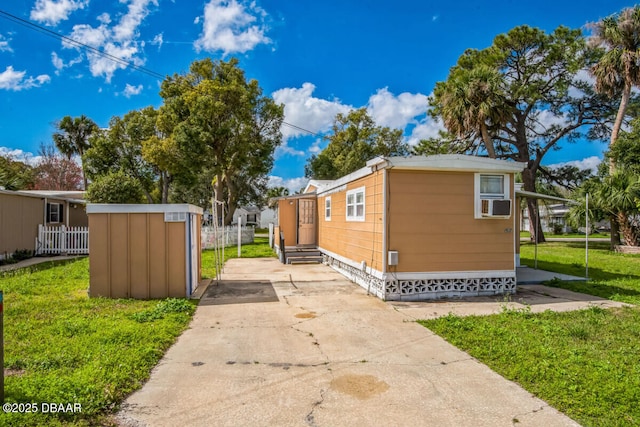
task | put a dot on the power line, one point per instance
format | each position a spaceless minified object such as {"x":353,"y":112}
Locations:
{"x":76,"y":43}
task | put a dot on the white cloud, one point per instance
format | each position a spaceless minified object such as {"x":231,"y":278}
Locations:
{"x":396,"y":112}
{"x":59,"y":63}
{"x":584,"y":164}
{"x":20,"y":156}
{"x":158,"y":40}
{"x":4,"y":44}
{"x":51,"y":12}
{"x":119,"y":40}
{"x":293,"y":184}
{"x":303,"y":110}
{"x":11,"y":79}
{"x":130,"y":90}
{"x":230,"y":26}
{"x":427,"y":128}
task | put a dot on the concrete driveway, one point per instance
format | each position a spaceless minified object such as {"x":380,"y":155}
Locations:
{"x":323,"y":353}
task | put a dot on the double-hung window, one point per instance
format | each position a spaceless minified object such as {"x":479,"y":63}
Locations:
{"x":355,"y":204}
{"x":54,"y":213}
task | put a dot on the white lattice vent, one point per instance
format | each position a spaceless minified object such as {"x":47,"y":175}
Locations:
{"x":175,"y":216}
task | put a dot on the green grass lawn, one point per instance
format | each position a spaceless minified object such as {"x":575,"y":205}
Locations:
{"x":613,"y":276}
{"x":63,"y":347}
{"x":584,"y":363}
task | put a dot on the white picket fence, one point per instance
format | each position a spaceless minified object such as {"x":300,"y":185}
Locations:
{"x":229,"y":238}
{"x":62,"y":240}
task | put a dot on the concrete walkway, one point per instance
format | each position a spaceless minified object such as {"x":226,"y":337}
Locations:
{"x":323,"y":353}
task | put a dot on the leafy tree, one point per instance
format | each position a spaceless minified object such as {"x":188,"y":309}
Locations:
{"x":533,"y":98}
{"x":115,"y":187}
{"x":15,"y":175}
{"x":275,"y":192}
{"x":355,"y":140}
{"x":73,"y":137}
{"x":445,"y":143}
{"x":223,"y":123}
{"x":55,"y":172}
{"x":119,"y":149}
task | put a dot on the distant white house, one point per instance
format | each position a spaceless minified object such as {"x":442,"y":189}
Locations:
{"x":251,"y":215}
{"x":553,"y":218}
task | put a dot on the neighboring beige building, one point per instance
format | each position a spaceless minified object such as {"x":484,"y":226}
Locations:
{"x":144,"y":251}
{"x":22,"y":211}
{"x":412,"y":228}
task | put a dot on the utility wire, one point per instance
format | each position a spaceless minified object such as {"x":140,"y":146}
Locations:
{"x":76,"y":43}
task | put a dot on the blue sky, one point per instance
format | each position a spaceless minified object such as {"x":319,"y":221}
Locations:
{"x":318,"y":58}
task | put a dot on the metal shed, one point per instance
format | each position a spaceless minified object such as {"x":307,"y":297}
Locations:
{"x":144,"y":251}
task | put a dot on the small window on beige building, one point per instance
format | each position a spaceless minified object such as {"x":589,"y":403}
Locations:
{"x":327,"y":209}
{"x":54,"y":213}
{"x":355,"y":204}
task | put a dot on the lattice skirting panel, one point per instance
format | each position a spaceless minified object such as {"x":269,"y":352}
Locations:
{"x":426,"y":289}
{"x":393,"y":289}
{"x":369,"y":282}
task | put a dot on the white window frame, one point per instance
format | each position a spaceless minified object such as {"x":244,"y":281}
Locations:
{"x":327,"y":208}
{"x":354,"y":204}
{"x":505,"y":195}
{"x":58,"y":210}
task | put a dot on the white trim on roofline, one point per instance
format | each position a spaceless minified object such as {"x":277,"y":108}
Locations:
{"x":142,"y":208}
{"x":439,"y":162}
{"x":453,"y":162}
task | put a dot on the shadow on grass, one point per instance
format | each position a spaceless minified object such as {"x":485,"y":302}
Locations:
{"x":575,"y":269}
{"x":601,"y":290}
{"x":39,"y":267}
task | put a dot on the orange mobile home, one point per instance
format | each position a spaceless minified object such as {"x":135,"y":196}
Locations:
{"x":412,"y":228}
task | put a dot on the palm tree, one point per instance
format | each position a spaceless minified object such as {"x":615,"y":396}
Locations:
{"x":619,"y":68}
{"x":472,"y":105}
{"x":74,"y":138}
{"x":619,"y":195}
{"x":275,"y":192}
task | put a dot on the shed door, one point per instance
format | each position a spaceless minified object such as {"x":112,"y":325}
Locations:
{"x":307,"y":222}
{"x":193,"y":252}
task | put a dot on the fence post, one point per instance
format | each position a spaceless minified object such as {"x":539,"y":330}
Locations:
{"x":239,"y":235}
{"x":271,"y":235}
{"x":63,"y":240}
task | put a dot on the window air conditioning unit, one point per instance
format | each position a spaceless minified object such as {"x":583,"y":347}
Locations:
{"x":496,"y":207}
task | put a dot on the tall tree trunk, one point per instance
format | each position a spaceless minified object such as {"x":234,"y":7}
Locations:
{"x":624,"y":102}
{"x":488,"y":142}
{"x":217,"y":197}
{"x":627,"y":231}
{"x":622,"y":109}
{"x":535,"y":225}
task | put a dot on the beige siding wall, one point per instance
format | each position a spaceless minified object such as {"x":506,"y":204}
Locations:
{"x":287,"y":221}
{"x":357,"y":241}
{"x":78,"y":216}
{"x":136,"y":255}
{"x":19,"y":219}
{"x":432,"y":225}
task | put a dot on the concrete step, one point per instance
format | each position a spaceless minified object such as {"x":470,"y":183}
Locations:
{"x":312,"y":252}
{"x":304,"y":260}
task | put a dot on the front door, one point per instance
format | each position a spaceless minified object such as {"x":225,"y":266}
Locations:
{"x":306,"y":222}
